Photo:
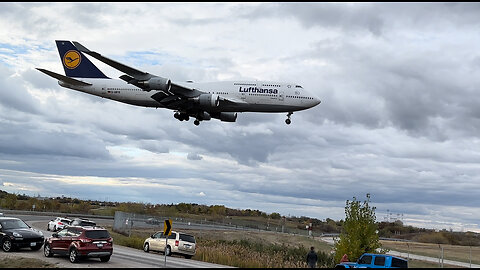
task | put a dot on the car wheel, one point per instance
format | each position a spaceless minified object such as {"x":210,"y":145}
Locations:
{"x":7,"y":245}
{"x":73,"y":255}
{"x":55,"y":228}
{"x":168,"y":251}
{"x":48,"y":227}
{"x":105,"y":259}
{"x":146,"y":247}
{"x":47,"y":251}
{"x":188,"y":256}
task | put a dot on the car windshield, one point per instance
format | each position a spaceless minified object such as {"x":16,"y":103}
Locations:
{"x":14,"y":224}
{"x":65,"y":221}
{"x":97,"y":234}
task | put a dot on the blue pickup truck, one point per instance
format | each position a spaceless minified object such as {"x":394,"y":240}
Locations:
{"x":369,"y":260}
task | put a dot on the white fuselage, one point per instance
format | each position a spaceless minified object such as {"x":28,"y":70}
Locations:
{"x":245,"y":96}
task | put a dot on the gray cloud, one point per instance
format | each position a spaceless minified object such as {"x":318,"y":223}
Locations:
{"x":399,"y":115}
{"x":192,"y":156}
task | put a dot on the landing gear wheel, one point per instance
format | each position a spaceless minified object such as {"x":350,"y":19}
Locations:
{"x":288,"y":121}
{"x":196,"y":122}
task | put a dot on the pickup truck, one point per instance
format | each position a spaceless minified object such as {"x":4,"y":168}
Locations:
{"x":369,"y":260}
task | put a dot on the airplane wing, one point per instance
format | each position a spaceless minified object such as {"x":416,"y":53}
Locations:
{"x":135,"y":76}
{"x":64,"y":78}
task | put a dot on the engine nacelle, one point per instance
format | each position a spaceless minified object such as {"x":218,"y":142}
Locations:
{"x":157,"y":83}
{"x":204,"y":116}
{"x":207,"y":100}
{"x":226,"y":116}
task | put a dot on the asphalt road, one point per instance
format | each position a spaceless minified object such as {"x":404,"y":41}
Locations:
{"x":123,"y":257}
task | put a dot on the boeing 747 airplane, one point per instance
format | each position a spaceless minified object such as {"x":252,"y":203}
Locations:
{"x":202,"y":101}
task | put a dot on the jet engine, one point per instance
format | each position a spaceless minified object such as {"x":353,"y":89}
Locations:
{"x":226,"y":116}
{"x":207,"y":100}
{"x":204,"y":116}
{"x":156,"y":83}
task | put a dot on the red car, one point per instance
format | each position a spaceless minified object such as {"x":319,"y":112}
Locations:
{"x":78,"y":242}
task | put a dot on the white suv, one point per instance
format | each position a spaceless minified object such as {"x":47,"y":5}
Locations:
{"x":58,"y":224}
{"x":178,"y":243}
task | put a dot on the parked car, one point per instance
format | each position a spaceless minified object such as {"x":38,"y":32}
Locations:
{"x":153,"y":221}
{"x":82,"y":222}
{"x":369,"y":260}
{"x":80,"y":242}
{"x":58,"y":224}
{"x":15,"y":233}
{"x":178,"y":243}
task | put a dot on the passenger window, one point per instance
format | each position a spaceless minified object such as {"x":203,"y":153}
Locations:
{"x":62,"y":233}
{"x":379,"y":260}
{"x":74,"y":232}
{"x":365,"y":260}
{"x":173,"y":236}
{"x":399,"y":263}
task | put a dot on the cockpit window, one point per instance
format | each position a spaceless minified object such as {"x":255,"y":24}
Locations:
{"x":298,"y":86}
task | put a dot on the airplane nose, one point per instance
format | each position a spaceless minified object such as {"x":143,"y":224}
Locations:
{"x":316,"y":101}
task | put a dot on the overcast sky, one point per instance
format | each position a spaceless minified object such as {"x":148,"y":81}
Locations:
{"x":399,"y":118}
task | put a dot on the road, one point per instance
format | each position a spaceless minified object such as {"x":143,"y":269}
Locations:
{"x":123,"y":257}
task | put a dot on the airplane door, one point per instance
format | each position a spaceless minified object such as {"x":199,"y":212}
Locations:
{"x":281,"y":95}
{"x":243,"y":96}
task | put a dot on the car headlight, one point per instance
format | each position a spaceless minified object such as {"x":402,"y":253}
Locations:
{"x":17,"y":234}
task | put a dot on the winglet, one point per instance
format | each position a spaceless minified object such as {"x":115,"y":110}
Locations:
{"x":80,"y":47}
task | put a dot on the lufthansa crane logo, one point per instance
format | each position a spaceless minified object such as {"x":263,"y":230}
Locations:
{"x":72,"y":59}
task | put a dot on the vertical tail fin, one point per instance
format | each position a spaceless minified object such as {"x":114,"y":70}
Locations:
{"x":75,"y":63}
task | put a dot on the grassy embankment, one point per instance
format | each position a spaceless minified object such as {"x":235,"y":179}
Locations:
{"x":245,"y":249}
{"x":450,"y":252}
{"x":258,"y":249}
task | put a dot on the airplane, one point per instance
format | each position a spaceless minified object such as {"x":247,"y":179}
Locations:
{"x":202,"y":101}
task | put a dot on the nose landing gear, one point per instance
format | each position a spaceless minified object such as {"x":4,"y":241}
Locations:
{"x":288,"y":121}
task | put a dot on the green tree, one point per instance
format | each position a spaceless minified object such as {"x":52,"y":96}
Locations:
{"x":10,"y":201}
{"x":359,"y":234}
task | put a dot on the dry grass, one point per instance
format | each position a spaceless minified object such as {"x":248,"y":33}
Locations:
{"x":450,"y":252}
{"x":19,"y":262}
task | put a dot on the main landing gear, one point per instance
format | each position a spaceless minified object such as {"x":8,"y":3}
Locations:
{"x":288,"y":121}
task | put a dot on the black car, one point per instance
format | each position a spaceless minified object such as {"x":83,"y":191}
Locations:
{"x":15,"y":233}
{"x":82,"y":222}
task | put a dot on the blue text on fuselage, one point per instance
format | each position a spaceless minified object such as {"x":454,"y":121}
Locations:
{"x":257,"y":90}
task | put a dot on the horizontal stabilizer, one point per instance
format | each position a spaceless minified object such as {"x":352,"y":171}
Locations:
{"x":64,"y":78}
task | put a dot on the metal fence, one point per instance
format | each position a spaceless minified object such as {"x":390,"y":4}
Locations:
{"x":125,"y":222}
{"x":443,"y":254}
